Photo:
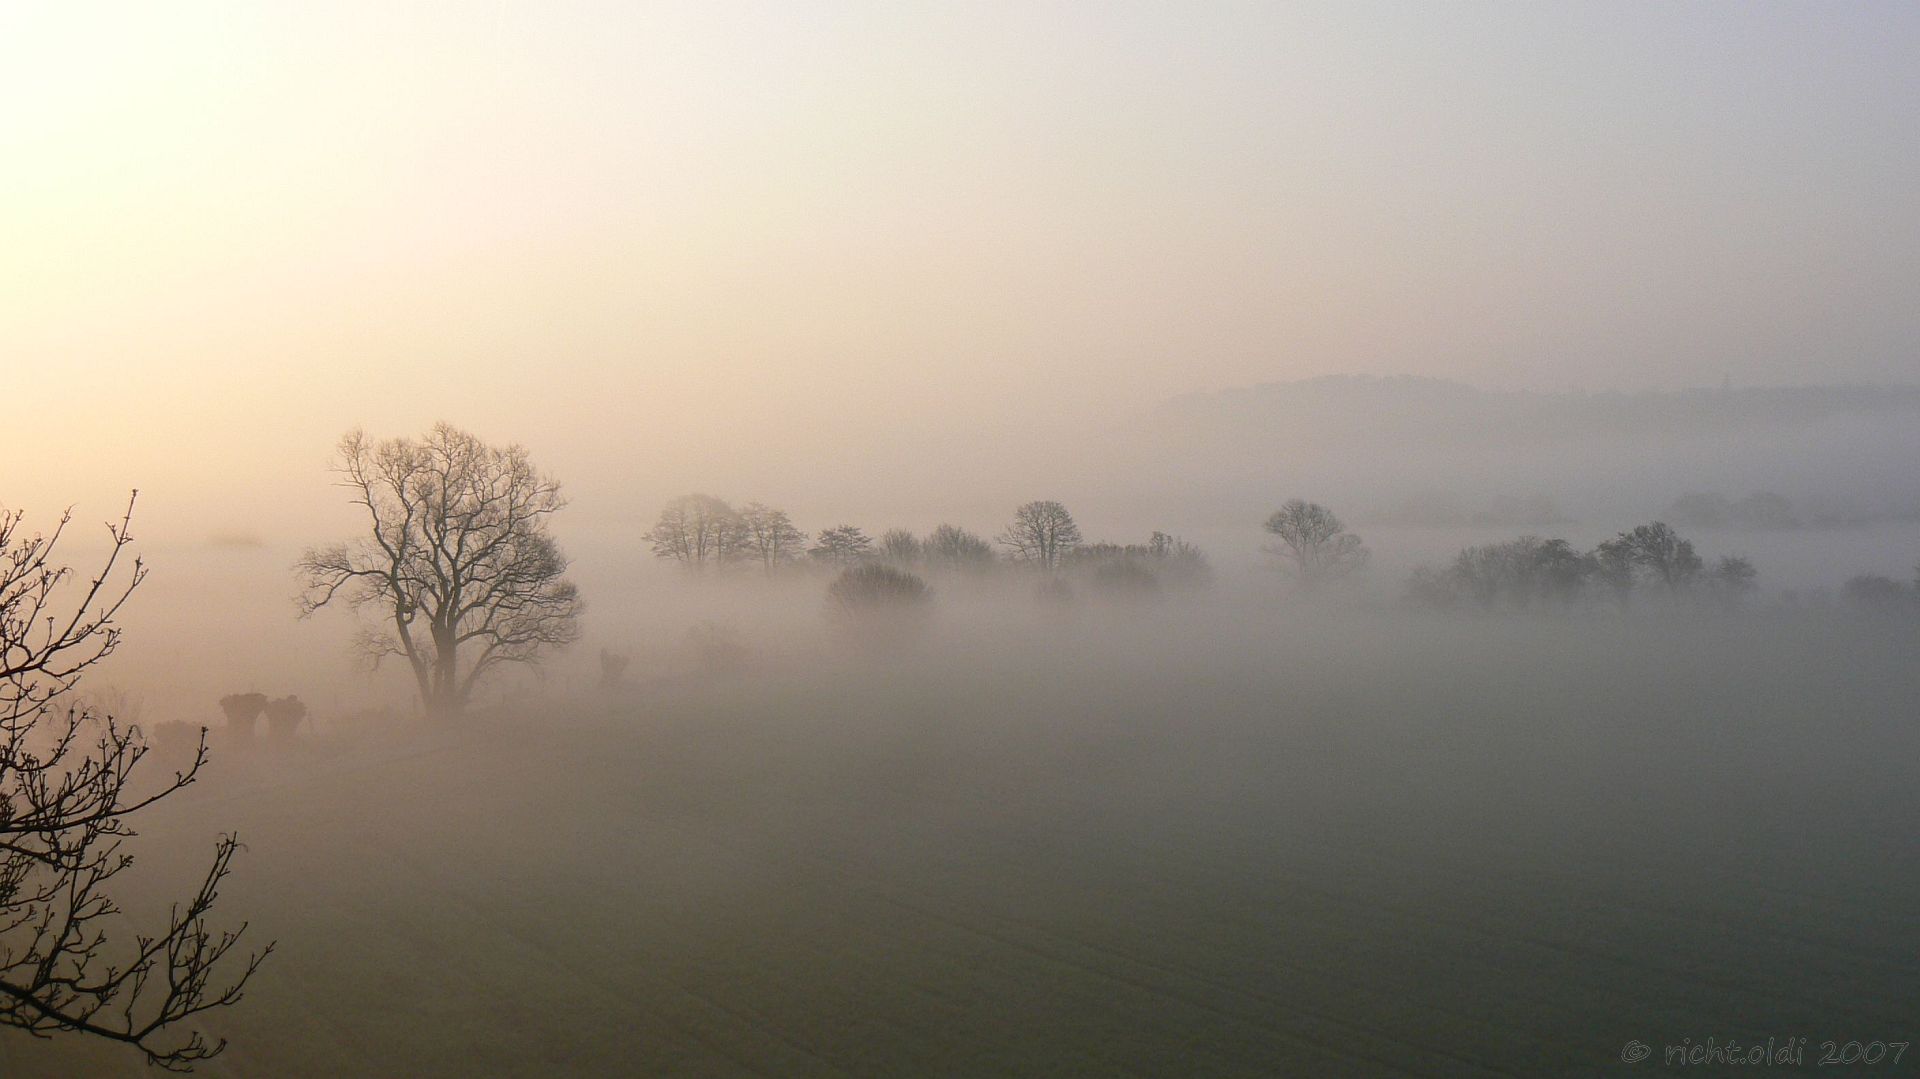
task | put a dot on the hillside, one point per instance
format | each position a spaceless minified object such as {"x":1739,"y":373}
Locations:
{"x":1456,"y":412}
{"x":1379,"y":445}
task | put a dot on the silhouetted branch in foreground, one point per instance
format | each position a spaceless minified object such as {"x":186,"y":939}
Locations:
{"x":66,"y":791}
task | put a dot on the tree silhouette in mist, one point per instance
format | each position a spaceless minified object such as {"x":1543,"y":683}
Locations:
{"x":457,"y":561}
{"x":1315,"y":547}
{"x":699,"y":531}
{"x":1041,"y":534}
{"x":842,"y":545}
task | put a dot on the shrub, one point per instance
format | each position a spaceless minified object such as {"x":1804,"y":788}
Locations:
{"x":874,"y":587}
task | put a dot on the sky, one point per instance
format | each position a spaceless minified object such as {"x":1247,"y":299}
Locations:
{"x":694,"y":246}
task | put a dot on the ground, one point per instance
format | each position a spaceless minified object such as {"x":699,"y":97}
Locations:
{"x":1508,"y":849}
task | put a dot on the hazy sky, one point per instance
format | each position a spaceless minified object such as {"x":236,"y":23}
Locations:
{"x":663,"y":243}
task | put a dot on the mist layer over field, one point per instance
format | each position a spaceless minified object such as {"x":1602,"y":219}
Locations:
{"x":1173,"y":837}
{"x":1316,"y":538}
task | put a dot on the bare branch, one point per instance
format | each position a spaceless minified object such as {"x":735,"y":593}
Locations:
{"x":66,"y":791}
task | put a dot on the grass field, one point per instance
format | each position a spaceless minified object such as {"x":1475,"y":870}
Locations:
{"x":1385,"y":846}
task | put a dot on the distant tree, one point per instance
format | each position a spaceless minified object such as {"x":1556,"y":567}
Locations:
{"x":1162,"y":545}
{"x":613,"y":669}
{"x":1433,"y":586}
{"x":844,"y":545}
{"x":1480,"y":573}
{"x":698,"y":531}
{"x":1314,"y":546}
{"x":951,"y":547}
{"x":1518,"y":573}
{"x":243,"y":710}
{"x":901,"y":548}
{"x":1732,"y":579}
{"x":1871,"y":592}
{"x":1140,"y":568}
{"x":1660,"y":552}
{"x":457,"y":562}
{"x":1114,"y":569}
{"x":875,"y":586}
{"x":1095,"y":554}
{"x":1559,"y":573}
{"x":1530,"y":570}
{"x":1042,"y":534}
{"x":1127,"y":578}
{"x":878,"y":605}
{"x":1612,"y":564}
{"x":67,"y":791}
{"x":1178,"y":562}
{"x":769,"y":537}
{"x":284,"y":716}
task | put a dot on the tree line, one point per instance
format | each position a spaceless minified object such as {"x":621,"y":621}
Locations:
{"x":1532,"y":571}
{"x":701,"y":533}
{"x":459,"y":568}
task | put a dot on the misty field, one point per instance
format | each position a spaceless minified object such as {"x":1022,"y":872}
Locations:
{"x":1359,"y":844}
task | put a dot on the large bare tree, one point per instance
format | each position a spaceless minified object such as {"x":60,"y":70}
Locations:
{"x":1041,"y":533}
{"x":457,"y":562}
{"x":1315,"y":547}
{"x":67,"y":789}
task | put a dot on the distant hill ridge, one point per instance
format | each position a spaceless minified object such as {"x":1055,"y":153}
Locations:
{"x":1438,"y":407}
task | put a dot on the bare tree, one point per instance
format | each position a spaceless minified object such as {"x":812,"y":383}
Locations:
{"x":1613,"y":566}
{"x":844,"y":545}
{"x":1314,"y":546}
{"x":1163,"y":558}
{"x":1516,"y":573}
{"x":769,"y":536}
{"x":1660,"y":552}
{"x":902,"y":548}
{"x":458,"y":562}
{"x":66,"y":793}
{"x":954,"y":548}
{"x":1180,"y":562}
{"x":1041,"y":533}
{"x":1732,"y":579}
{"x":698,"y":531}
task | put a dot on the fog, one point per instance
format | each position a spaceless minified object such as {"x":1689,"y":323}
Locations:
{"x":873,"y":539}
{"x":1217,"y":833}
